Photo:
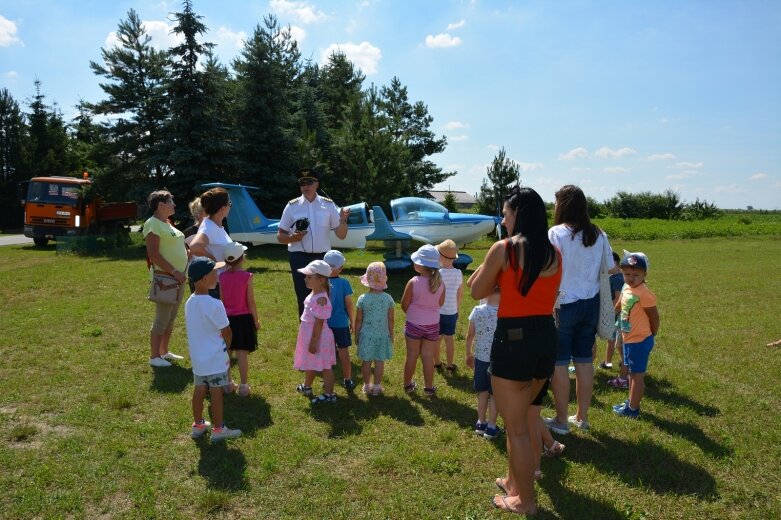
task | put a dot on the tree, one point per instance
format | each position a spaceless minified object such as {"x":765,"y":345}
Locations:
{"x":13,"y":168}
{"x":137,"y":77}
{"x":267,"y":72}
{"x":501,"y":175}
{"x":450,"y":202}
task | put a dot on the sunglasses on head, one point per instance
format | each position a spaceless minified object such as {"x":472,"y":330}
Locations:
{"x":306,"y":182}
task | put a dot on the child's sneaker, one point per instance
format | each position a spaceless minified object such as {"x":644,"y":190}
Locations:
{"x":618,"y":383}
{"x":367,"y":389}
{"x":480,"y":427}
{"x":492,"y":432}
{"x":627,"y":412}
{"x":617,"y":407}
{"x":555,"y":427}
{"x":244,"y":390}
{"x":199,"y":428}
{"x":582,"y":424}
{"x":349,"y":384}
{"x":219,"y":434}
{"x":324,"y":398}
{"x":410,"y":388}
{"x":605,"y":366}
{"x":571,"y":369}
{"x":378,"y":390}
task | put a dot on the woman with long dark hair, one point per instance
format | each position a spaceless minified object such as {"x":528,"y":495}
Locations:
{"x":527,"y":269}
{"x":583,"y":246}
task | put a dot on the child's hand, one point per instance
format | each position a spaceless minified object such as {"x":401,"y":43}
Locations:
{"x":470,"y":361}
{"x":257,"y":324}
{"x":312,"y":348}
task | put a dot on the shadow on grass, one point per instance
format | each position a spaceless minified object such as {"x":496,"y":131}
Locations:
{"x":691,"y":433}
{"x":170,"y":380}
{"x":565,"y":499}
{"x":347,"y":415}
{"x":663,"y":390}
{"x":448,"y":409}
{"x":640,"y":464}
{"x":461,"y":379}
{"x":222,"y":465}
{"x":248,"y":414}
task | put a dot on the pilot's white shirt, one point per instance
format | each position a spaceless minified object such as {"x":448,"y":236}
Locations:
{"x":323,"y":216}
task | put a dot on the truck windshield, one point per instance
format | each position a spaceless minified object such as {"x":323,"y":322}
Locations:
{"x":53,"y":193}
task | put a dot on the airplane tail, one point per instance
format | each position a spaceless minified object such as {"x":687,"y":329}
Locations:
{"x":383,"y":229}
{"x":245,"y":216}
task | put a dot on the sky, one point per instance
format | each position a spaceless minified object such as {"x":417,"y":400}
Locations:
{"x":609,"y":95}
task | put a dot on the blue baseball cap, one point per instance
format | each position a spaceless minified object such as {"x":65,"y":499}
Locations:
{"x":200,"y":266}
{"x":639,"y":260}
{"x":334,"y":258}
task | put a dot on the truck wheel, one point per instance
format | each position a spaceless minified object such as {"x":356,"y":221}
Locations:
{"x":40,"y":241}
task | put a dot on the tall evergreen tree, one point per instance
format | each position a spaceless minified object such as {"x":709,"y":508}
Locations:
{"x":501,"y":175}
{"x":137,"y":76}
{"x":13,"y":168}
{"x":267,"y":73}
{"x":48,"y":141}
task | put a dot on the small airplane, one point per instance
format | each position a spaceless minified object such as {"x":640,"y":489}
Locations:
{"x":414,"y":218}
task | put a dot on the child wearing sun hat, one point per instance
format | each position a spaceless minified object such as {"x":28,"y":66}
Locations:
{"x":453,"y":281}
{"x":374,"y":319}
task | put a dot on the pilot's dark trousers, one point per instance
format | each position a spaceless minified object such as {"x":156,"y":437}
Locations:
{"x":297,"y":261}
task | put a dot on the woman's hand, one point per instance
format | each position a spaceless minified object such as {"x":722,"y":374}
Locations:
{"x":180,"y":277}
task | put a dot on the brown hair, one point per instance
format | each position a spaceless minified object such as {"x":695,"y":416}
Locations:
{"x":434,"y":278}
{"x":156,"y":197}
{"x":572,"y":209}
{"x":214,"y":200}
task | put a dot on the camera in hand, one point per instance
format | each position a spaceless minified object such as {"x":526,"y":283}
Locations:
{"x":301,"y":224}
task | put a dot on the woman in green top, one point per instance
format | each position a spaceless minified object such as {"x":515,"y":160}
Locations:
{"x":167,"y":253}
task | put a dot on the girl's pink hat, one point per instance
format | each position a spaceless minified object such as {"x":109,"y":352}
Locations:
{"x":376,"y":277}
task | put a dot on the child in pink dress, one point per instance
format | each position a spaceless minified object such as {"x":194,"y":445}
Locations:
{"x":315,"y":346}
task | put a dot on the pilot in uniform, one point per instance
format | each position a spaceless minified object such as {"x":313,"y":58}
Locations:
{"x":306,"y":226}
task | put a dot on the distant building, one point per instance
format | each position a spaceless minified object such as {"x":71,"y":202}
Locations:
{"x":463,"y":199}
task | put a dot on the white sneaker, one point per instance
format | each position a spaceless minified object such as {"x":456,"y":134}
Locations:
{"x":583,"y":425}
{"x":224,"y":433}
{"x":561,"y":429}
{"x":170,"y":356}
{"x":197,"y":430}
{"x":159,"y":362}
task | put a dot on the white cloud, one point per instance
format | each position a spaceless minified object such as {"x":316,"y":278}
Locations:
{"x":454,"y":125}
{"x":777,"y":185}
{"x":660,"y":157}
{"x":527,"y":167}
{"x":687,"y":174}
{"x":730,"y":188}
{"x":457,"y":25}
{"x":442,"y":40}
{"x":8,"y":32}
{"x":578,"y":169}
{"x":297,"y":33}
{"x":300,"y":11}
{"x":493,"y":147}
{"x":11,"y":74}
{"x":228,"y":38}
{"x":615,"y":169}
{"x":759,"y":176}
{"x":575,"y":153}
{"x":664,"y":120}
{"x":158,"y":30}
{"x":458,"y":138}
{"x":606,"y":152}
{"x":687,"y":165}
{"x":364,"y":55}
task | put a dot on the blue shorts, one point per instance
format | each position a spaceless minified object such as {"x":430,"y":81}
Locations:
{"x":342,"y":337}
{"x":636,"y":355}
{"x":577,"y":328}
{"x":482,"y":377}
{"x":447,"y":324}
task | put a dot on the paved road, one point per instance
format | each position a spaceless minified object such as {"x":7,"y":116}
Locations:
{"x":13,"y":240}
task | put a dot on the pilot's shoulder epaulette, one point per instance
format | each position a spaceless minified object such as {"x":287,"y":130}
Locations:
{"x":293,"y":201}
{"x":326,"y":199}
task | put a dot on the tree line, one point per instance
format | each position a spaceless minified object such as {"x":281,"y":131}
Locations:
{"x":176,"y":118}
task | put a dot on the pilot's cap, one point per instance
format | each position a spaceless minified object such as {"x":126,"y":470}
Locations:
{"x":308,"y":173}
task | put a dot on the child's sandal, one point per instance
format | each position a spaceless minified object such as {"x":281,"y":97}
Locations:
{"x":244,"y":390}
{"x":410,"y":388}
{"x":430,"y":391}
{"x":451,"y":368}
{"x":303,"y":389}
{"x":555,"y":450}
{"x":324,"y":398}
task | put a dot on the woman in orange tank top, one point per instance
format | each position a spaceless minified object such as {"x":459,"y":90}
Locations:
{"x":527,"y":269}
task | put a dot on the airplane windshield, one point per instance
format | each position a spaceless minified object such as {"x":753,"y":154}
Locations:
{"x":412,"y":208}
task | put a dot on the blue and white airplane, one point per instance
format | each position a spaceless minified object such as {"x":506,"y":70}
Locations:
{"x":414,"y":218}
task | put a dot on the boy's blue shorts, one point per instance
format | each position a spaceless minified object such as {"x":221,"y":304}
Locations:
{"x":482,"y":377}
{"x":342,"y":337}
{"x":447,"y":324}
{"x":636,"y":355}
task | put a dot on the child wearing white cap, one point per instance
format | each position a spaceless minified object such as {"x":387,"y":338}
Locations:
{"x":342,"y":320}
{"x":315,"y":347}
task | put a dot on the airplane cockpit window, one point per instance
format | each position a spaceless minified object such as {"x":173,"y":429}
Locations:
{"x":413,"y":208}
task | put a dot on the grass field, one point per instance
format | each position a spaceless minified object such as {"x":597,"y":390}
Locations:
{"x":89,"y":430}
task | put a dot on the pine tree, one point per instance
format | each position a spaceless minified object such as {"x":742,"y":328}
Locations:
{"x":13,"y":168}
{"x":137,"y":76}
{"x":501,"y":175}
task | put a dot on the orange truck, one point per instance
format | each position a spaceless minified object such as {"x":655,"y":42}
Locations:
{"x":60,"y":206}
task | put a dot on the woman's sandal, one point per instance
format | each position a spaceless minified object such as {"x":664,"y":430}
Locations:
{"x":501,"y":483}
{"x":554,"y":451}
{"x":410,"y":388}
{"x":500,"y":502}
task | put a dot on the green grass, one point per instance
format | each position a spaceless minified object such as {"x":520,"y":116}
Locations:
{"x":729,"y":225}
{"x":90,"y":430}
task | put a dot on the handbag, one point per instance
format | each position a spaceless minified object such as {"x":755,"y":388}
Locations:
{"x":164,"y":289}
{"x":607,"y":315}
